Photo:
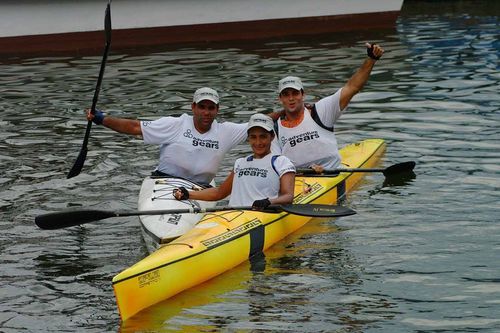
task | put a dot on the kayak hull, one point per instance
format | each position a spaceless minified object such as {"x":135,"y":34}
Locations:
{"x":223,"y":240}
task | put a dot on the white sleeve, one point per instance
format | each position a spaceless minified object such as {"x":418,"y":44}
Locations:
{"x":328,"y":109}
{"x":283,"y":165}
{"x":163,"y":130}
{"x":237,"y":132}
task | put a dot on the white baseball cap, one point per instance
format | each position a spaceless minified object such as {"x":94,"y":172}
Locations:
{"x":206,"y":93}
{"x":290,"y":82}
{"x":261,"y":120}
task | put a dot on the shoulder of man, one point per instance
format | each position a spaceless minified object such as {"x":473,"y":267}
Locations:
{"x":235,"y":127}
{"x":317,"y":120}
{"x":182,"y":117}
{"x":162,"y":121}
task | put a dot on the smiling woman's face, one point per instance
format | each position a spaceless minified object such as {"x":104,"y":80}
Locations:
{"x":260,"y":141}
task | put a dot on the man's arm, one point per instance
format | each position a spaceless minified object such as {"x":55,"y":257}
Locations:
{"x":120,"y":125}
{"x":358,"y":80}
{"x":275,"y":115}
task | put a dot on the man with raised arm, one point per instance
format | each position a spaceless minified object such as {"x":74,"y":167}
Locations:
{"x":306,"y":136}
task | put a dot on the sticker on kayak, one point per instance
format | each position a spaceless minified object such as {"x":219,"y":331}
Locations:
{"x":174,"y":219}
{"x":308,"y":190}
{"x":231,"y":233}
{"x":149,"y":278}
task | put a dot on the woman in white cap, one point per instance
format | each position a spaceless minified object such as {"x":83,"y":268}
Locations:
{"x":305,"y":135}
{"x":259,"y":180}
{"x":186,"y":139}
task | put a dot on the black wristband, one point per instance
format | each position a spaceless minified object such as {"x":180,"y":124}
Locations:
{"x":98,"y":117}
{"x":184,"y":193}
{"x":261,"y":204}
{"x":369,"y":51}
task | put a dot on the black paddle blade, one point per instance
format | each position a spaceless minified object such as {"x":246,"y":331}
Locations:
{"x":107,"y":23}
{"x":399,"y":168}
{"x":78,"y":166}
{"x":66,"y":219}
{"x":316,"y":210}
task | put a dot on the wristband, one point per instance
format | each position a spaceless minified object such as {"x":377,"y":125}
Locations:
{"x":98,"y":117}
{"x":369,"y":51}
{"x":184,"y":193}
{"x":261,"y":204}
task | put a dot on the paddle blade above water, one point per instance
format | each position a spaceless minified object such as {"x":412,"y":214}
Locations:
{"x":107,"y":23}
{"x":400,"y":168}
{"x":65,"y":219}
{"x":396,"y":169}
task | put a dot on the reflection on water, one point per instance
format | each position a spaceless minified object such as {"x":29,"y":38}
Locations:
{"x":416,"y":257}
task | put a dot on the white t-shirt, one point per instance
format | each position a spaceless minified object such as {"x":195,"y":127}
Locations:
{"x":308,"y":142}
{"x":184,"y":152}
{"x":256,"y":179}
{"x":328,"y":109}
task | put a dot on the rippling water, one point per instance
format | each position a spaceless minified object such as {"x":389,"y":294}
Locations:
{"x":418,"y":257}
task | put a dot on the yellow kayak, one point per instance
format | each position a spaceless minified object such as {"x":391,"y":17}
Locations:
{"x":223,"y":240}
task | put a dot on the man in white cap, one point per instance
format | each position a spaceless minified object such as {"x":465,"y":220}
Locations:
{"x":191,"y":147}
{"x":306,"y":135}
{"x":260,"y":179}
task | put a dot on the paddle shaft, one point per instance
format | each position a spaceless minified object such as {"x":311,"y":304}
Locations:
{"x":96,"y":93}
{"x":78,"y":165}
{"x":58,"y":220}
{"x":355,"y":170}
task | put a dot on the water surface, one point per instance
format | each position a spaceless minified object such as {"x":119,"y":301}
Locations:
{"x":418,"y":257}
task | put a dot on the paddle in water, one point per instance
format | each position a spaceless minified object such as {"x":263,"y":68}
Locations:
{"x":80,"y":160}
{"x":69,"y":218}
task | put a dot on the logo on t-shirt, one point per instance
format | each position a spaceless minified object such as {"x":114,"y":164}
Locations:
{"x":297,"y":139}
{"x":251,"y":172}
{"x":197,"y":142}
{"x":188,"y":134}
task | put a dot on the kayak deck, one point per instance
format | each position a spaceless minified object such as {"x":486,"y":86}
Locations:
{"x":223,"y":240}
{"x":156,"y":194}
